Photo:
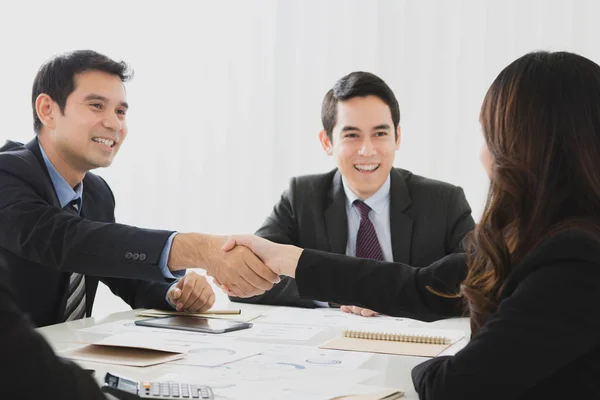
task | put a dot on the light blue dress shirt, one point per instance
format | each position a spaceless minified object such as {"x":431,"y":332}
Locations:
{"x":379,"y":216}
{"x":66,"y":194}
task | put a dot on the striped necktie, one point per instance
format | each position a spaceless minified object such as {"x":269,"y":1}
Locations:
{"x":367,"y":244}
{"x":76,"y":304}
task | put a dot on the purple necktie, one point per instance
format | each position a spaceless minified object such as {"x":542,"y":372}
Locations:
{"x":367,"y":244}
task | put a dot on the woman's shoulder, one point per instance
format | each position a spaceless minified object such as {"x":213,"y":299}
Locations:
{"x":568,"y":245}
{"x":564,"y":253}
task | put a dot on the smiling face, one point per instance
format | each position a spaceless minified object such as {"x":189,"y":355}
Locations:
{"x":90,"y":131}
{"x":363,"y":143}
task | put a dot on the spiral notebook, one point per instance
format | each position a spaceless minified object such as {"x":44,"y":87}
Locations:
{"x":408,"y":342}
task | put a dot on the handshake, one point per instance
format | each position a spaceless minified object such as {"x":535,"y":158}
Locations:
{"x":242,"y":265}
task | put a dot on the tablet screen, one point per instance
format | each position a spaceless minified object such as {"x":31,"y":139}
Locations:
{"x":207,"y":325}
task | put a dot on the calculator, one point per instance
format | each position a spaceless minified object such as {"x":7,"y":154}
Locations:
{"x":128,"y":389}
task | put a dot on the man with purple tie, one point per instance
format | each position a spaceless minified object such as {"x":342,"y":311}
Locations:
{"x":366,"y":207}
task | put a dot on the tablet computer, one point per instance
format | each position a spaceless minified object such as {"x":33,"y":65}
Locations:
{"x":206,"y":325}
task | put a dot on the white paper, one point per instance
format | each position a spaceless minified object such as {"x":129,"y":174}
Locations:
{"x":123,"y":326}
{"x":332,"y":317}
{"x":277,"y":332}
{"x":219,"y":352}
{"x":258,"y":331}
{"x":237,"y":381}
{"x":292,"y":390}
{"x":274,"y":356}
{"x":145,"y":341}
{"x":201,"y":349}
{"x":206,"y":350}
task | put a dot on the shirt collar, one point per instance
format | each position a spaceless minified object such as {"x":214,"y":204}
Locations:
{"x":64,"y":192}
{"x":377,"y":201}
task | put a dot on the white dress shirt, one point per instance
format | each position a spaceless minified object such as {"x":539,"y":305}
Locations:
{"x":379,"y":216}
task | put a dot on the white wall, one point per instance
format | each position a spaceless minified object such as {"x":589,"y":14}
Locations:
{"x":225,"y":104}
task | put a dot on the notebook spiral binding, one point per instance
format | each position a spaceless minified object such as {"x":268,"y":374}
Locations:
{"x":395,"y":337}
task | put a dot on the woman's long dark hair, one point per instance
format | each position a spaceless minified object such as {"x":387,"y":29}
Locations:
{"x":541,"y":123}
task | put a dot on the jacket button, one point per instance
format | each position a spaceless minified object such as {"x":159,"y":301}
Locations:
{"x":142,"y":256}
{"x":136,"y":256}
{"x":128,"y":255}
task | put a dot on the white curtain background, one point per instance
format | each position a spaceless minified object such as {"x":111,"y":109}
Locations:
{"x":225,"y":102}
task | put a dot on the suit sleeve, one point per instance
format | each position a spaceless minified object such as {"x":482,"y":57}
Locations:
{"x":390,"y":288}
{"x":37,"y":231}
{"x":459,"y":221}
{"x":551,"y":320}
{"x":27,"y":358}
{"x":138,"y":293}
{"x":281,"y":227}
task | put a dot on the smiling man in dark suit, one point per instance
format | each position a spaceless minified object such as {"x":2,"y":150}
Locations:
{"x":365,"y":207}
{"x":58,"y":235}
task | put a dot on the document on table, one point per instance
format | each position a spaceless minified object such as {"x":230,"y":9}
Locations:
{"x":128,"y":349}
{"x":209,"y":351}
{"x":216,"y":352}
{"x":283,"y":356}
{"x":135,"y":357}
{"x":237,"y":381}
{"x":306,"y":390}
{"x":334,"y":317}
{"x":277,"y":332}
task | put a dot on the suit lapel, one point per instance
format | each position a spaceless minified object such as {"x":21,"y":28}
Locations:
{"x":336,"y":221}
{"x":90,"y":289}
{"x":34,"y":147}
{"x":401,"y":225}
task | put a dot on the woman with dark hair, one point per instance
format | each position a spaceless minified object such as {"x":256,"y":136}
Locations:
{"x":533,"y":278}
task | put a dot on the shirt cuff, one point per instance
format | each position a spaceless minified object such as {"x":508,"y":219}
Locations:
{"x":167,"y":295}
{"x":164,"y":257}
{"x":321,"y":303}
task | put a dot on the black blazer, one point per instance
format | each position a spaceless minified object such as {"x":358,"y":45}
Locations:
{"x":428,"y":220}
{"x":41,"y":244}
{"x":543,"y":342}
{"x":30,"y":369}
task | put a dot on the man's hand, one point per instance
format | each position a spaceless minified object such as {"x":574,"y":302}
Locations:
{"x":244,"y":273}
{"x":280,"y":258}
{"x":365,"y":312}
{"x":192,"y":293}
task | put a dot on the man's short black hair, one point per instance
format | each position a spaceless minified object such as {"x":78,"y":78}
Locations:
{"x":357,"y":84}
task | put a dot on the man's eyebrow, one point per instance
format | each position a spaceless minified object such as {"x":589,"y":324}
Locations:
{"x":94,"y":96}
{"x":349,"y":128}
{"x":99,"y":97}
{"x":382,"y":127}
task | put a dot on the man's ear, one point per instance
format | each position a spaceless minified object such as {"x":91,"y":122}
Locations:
{"x":325,"y":142}
{"x":398,"y":137}
{"x":45,"y":109}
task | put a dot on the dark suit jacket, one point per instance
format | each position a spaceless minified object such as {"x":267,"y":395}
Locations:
{"x":30,"y":369}
{"x":428,"y":220}
{"x":41,"y":244}
{"x":543,"y":342}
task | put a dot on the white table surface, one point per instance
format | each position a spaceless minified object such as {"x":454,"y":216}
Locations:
{"x":395,"y":371}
